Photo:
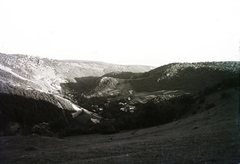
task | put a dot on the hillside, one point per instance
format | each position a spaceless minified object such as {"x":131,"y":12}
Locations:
{"x":28,"y":108}
{"x":209,"y":135}
{"x":32,"y":79}
{"x":190,"y":77}
{"x":47,"y":74}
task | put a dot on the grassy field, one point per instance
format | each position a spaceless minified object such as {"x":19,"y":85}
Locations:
{"x":202,"y":136}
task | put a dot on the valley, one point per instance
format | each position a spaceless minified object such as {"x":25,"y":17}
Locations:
{"x":55,"y":111}
{"x":208,"y":136}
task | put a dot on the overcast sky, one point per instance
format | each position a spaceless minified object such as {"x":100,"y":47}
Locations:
{"x":122,"y":31}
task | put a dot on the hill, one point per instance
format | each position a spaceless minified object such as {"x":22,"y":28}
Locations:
{"x":190,"y":77}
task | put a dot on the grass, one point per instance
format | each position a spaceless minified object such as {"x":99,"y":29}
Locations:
{"x":209,"y":136}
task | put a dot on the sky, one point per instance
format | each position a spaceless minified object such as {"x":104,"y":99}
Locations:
{"x":143,"y":32}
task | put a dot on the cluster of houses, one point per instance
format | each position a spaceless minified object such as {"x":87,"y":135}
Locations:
{"x":126,"y":107}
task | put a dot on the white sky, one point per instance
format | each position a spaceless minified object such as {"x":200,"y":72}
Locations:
{"x":122,"y":31}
